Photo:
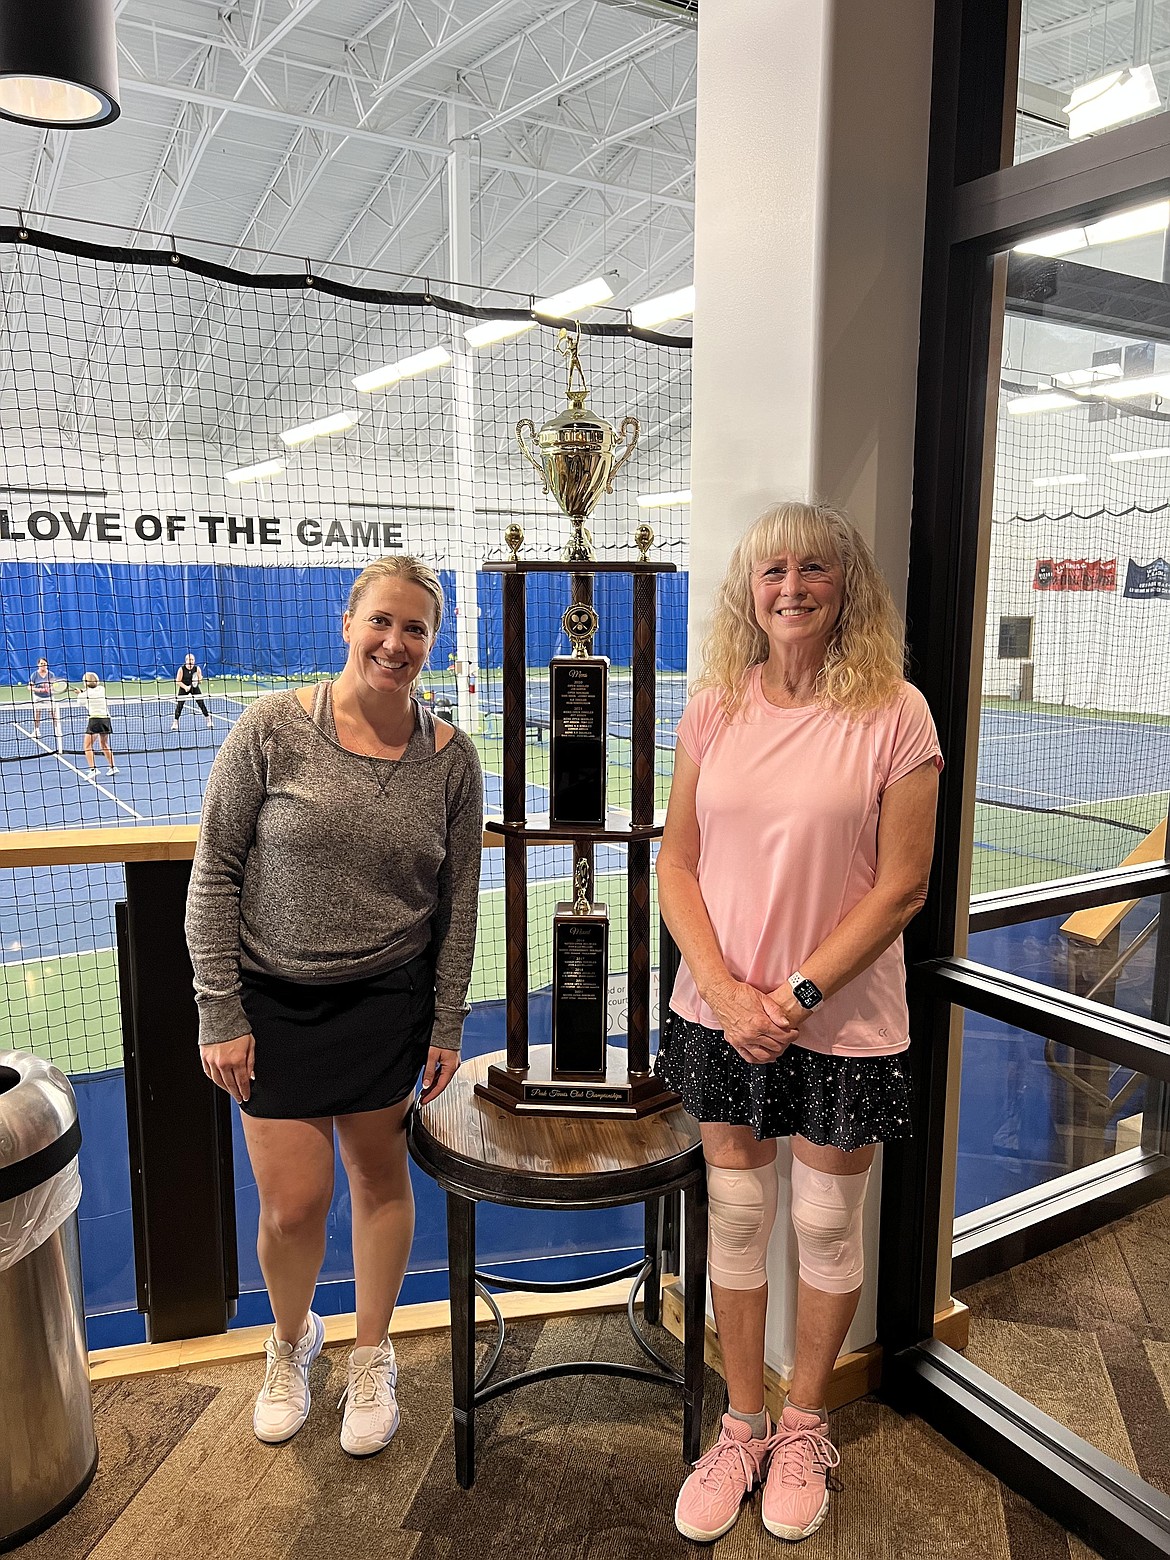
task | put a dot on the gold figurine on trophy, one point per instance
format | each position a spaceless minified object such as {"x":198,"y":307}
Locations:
{"x":577,"y":452}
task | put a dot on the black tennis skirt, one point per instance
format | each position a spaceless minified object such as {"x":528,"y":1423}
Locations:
{"x":335,"y":1050}
{"x":841,"y":1101}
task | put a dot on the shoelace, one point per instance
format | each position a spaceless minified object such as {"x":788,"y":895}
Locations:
{"x":793,"y":1447}
{"x":278,"y":1378}
{"x":369,"y":1384}
{"x":716,"y":1466}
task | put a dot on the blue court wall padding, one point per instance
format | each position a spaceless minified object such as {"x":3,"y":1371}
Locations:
{"x":547,"y":598}
{"x":132,"y":621}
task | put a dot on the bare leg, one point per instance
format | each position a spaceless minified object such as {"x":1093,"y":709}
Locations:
{"x":373,"y":1150}
{"x":822,"y":1320}
{"x":739,"y":1313}
{"x":293,"y":1165}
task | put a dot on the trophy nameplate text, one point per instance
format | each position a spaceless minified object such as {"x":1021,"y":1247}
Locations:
{"x":580,"y":970}
{"x":578,"y":687}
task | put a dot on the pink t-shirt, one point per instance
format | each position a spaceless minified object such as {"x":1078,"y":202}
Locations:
{"x":787,"y":804}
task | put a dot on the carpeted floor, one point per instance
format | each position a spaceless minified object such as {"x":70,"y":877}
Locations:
{"x":1084,"y":1333}
{"x":580,"y":1468}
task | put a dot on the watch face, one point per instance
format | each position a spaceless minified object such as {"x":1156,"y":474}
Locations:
{"x":807,"y":994}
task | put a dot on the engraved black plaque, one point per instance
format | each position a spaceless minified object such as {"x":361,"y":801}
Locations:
{"x":580,"y":988}
{"x":577,"y":691}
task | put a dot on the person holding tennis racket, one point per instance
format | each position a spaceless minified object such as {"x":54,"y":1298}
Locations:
{"x":93,"y":696}
{"x":189,"y":685}
{"x":45,"y":690}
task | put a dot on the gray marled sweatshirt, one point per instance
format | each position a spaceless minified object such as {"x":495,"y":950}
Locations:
{"x":320,"y":865}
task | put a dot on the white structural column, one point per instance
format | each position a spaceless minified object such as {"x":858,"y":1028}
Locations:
{"x":811,"y":176}
{"x":463,"y":406}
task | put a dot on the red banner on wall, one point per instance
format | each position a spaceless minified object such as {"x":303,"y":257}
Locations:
{"x":1075,"y":574}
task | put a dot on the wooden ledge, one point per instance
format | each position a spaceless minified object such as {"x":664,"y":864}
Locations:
{"x":246,"y":1343}
{"x":67,"y":847}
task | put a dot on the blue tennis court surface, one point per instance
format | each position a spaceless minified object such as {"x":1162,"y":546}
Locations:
{"x":1030,"y":759}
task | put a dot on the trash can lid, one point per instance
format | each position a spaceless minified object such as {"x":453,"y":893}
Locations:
{"x":39,"y":1132}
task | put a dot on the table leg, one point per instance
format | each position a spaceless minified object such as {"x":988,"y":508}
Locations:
{"x":461,"y":1265}
{"x":694,"y":1314}
{"x":652,"y":1289}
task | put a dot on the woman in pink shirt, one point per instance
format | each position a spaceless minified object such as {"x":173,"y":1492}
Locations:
{"x":797,"y":847}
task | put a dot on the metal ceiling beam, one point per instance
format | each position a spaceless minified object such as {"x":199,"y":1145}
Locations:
{"x":390,"y":138}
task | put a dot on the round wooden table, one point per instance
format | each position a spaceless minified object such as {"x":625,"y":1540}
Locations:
{"x":480,"y":1153}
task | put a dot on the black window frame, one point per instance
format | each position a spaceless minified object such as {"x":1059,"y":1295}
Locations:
{"x":979,"y":204}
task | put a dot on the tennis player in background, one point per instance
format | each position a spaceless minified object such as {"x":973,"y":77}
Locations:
{"x":189,"y":685}
{"x":93,"y":697}
{"x":44,"y":698}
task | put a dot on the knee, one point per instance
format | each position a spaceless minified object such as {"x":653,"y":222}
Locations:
{"x":827,"y":1215}
{"x":741,"y":1214}
{"x":289,"y":1217}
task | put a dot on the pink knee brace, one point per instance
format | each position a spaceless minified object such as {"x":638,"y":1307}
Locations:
{"x":826,"y":1214}
{"x":741,"y":1213}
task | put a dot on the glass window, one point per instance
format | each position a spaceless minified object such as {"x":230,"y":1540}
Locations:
{"x":1074,"y":739}
{"x":1086,"y":67}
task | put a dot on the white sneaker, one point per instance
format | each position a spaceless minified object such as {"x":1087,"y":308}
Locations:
{"x":371,"y":1409}
{"x":283,"y":1403}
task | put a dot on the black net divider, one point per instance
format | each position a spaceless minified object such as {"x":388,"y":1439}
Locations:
{"x":310,"y":278}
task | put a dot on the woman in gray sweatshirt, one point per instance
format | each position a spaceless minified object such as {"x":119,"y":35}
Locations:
{"x":331,"y":924}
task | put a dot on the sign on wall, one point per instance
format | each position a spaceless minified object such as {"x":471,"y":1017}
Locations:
{"x":1075,"y":574}
{"x":1146,"y":581}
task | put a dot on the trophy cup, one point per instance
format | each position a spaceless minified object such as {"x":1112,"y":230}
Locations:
{"x":577,"y":706}
{"x":578,"y":454}
{"x":580,"y":960}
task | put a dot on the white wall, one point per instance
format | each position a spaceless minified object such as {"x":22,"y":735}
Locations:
{"x":810,"y":171}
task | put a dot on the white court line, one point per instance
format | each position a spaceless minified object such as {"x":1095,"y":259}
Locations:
{"x":51,"y":958}
{"x":125,"y":806}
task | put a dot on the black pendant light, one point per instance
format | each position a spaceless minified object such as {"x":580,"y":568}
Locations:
{"x":58,"y":63}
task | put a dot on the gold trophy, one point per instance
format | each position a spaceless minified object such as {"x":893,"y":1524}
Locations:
{"x":578,"y":454}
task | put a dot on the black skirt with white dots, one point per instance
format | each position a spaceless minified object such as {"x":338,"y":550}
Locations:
{"x":843,"y":1101}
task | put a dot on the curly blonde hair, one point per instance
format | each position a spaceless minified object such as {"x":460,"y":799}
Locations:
{"x":865,"y":659}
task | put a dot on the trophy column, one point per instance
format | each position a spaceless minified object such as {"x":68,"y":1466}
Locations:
{"x":642,"y":733}
{"x":515,"y":800}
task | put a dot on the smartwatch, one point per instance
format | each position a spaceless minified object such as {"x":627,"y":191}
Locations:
{"x":806,"y":993}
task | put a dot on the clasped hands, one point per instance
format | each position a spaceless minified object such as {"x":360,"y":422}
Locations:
{"x":759,"y":1025}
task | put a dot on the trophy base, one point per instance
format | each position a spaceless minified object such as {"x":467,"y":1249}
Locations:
{"x":533,"y":1091}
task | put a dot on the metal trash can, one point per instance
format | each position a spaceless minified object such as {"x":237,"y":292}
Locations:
{"x":48,"y":1449}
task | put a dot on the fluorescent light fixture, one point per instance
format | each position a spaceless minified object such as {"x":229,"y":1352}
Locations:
{"x":266,"y":468}
{"x":1110,"y":230}
{"x":563,"y":305}
{"x":1066,"y":479}
{"x":1146,"y":384}
{"x":670,"y":306}
{"x":1041,"y":401}
{"x":1123,"y":459}
{"x":1130,"y":224}
{"x":664,"y":500}
{"x":1111,"y":100}
{"x":391,"y":373}
{"x":1083,"y":378}
{"x":338,"y":423}
{"x":489,"y":331}
{"x":1064,"y":242}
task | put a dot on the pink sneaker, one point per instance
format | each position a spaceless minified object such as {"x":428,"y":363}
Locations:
{"x":796,"y":1495}
{"x":720,"y":1482}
